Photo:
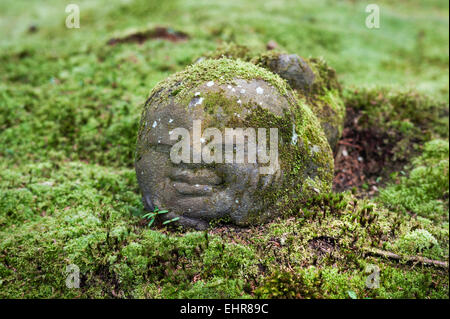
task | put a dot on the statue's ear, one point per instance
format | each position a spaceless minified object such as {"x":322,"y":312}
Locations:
{"x":148,"y":204}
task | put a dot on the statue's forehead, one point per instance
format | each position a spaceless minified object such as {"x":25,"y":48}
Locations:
{"x":247,"y":93}
{"x":239,"y":93}
{"x":242,"y":97}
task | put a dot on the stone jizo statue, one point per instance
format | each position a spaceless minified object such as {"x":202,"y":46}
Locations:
{"x":227,"y":139}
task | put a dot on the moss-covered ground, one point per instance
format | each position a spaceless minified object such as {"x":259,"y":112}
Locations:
{"x":69,"y":114}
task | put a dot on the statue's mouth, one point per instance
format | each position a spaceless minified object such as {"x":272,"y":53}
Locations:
{"x":194,"y":182}
{"x":193,"y":190}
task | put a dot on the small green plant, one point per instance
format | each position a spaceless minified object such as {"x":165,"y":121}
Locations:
{"x":327,"y":204}
{"x":366,"y":215}
{"x":171,"y":220}
{"x":156,"y":212}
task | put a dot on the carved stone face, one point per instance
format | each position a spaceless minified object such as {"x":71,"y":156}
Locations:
{"x":200,"y":192}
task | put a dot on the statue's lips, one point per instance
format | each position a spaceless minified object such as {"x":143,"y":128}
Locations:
{"x":189,"y":189}
{"x":199,"y":182}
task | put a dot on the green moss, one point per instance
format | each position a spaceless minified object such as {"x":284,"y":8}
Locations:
{"x":116,"y":256}
{"x":288,"y":285}
{"x":330,"y":282}
{"x":425,"y":191}
{"x":230,"y":50}
{"x":68,"y":116}
{"x":419,"y":241}
{"x":325,"y":100}
{"x":67,"y":231}
{"x":263,"y":59}
{"x":213,"y":101}
{"x":220,"y":70}
{"x":220,"y":221}
{"x":91,"y":224}
{"x":326,"y":78}
{"x":407,"y":118}
{"x":412,"y":283}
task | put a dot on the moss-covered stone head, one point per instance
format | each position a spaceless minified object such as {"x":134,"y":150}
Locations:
{"x":199,"y":109}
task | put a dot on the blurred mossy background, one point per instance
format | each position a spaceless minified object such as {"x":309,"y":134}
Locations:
{"x":69,"y":112}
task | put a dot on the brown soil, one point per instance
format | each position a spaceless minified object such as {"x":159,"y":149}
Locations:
{"x":362,"y":156}
{"x":156,"y":33}
{"x":323,"y":244}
